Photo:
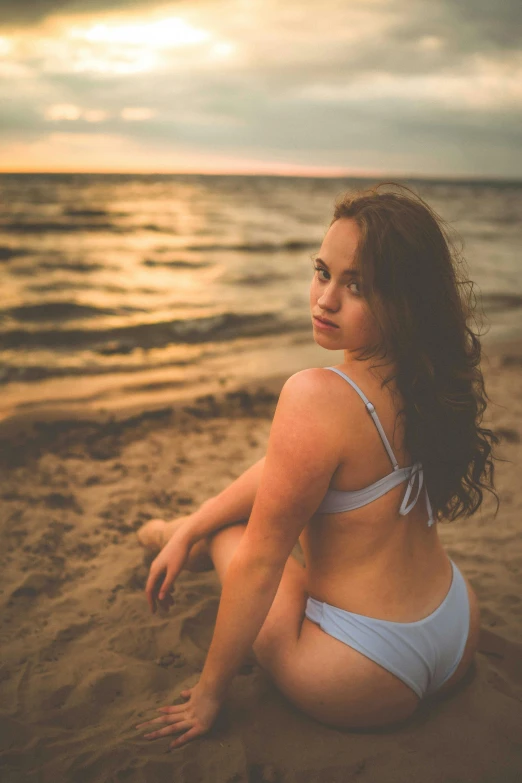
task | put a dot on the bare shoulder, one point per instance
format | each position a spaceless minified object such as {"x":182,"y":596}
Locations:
{"x":311,"y":384}
{"x":311,"y":392}
{"x":305,"y":414}
{"x":316,"y":386}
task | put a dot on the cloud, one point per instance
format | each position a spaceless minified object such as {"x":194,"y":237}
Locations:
{"x":497,"y":24}
{"x":137,"y":113}
{"x":14,"y":13}
{"x":336,"y":82}
{"x":63,"y":111}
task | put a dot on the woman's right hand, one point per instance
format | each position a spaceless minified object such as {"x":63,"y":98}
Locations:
{"x":165,"y":568}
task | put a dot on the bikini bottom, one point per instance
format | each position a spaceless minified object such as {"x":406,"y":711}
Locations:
{"x":423,"y":654}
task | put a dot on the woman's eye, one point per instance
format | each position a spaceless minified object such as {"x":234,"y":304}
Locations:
{"x":357,"y":292}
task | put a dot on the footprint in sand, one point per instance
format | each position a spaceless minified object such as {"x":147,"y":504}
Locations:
{"x":143,"y":645}
{"x":35,"y":584}
{"x":59,"y":500}
{"x":67,"y":635}
{"x":172,"y":659}
{"x":107,"y":687}
{"x":56,"y":699}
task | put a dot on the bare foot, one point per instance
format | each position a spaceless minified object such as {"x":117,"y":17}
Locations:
{"x":155,"y":533}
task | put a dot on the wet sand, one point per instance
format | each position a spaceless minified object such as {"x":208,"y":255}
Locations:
{"x":83,"y":660}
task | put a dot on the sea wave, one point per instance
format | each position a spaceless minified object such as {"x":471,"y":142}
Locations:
{"x":255,"y":247}
{"x":253,"y":279}
{"x":71,"y":212}
{"x":63,"y":311}
{"x":11,"y":373}
{"x":56,"y":227}
{"x":72,"y":226}
{"x":124,"y":339}
{"x":81,"y":285}
{"x":7,"y":253}
{"x":175,"y":263}
{"x":500,"y":302}
{"x":35,"y":268}
{"x":73,"y":266}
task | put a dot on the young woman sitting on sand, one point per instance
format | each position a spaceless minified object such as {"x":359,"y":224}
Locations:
{"x":362,"y":461}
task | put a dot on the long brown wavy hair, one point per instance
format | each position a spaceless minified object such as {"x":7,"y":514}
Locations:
{"x":414,"y":280}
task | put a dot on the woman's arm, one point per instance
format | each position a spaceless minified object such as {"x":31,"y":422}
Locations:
{"x":248,"y":592}
{"x":234,"y":504}
{"x":303,"y":454}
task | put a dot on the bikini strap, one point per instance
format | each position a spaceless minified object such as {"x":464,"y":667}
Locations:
{"x":416,"y":472}
{"x":371,"y":410}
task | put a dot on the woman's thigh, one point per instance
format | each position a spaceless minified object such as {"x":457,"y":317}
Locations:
{"x":324,"y":677}
{"x":336,"y":684}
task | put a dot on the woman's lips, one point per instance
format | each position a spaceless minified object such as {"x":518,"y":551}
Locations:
{"x":323,"y":325}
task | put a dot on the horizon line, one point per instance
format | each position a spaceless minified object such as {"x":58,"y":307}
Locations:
{"x":335,"y":174}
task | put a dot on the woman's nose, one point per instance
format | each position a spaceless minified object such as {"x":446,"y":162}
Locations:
{"x":329,"y":298}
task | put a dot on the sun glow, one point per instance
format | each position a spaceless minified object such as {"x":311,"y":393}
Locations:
{"x":5,"y":46}
{"x":161,"y":34}
{"x":63,"y":111}
{"x":111,"y":46}
{"x":137,"y":113}
{"x":70,"y":113}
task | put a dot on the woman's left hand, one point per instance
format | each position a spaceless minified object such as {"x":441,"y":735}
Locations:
{"x":192,"y":719}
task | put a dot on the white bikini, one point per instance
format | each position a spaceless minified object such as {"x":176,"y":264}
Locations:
{"x":425,"y":653}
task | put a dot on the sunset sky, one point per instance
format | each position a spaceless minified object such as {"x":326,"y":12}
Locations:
{"x":421,"y":87}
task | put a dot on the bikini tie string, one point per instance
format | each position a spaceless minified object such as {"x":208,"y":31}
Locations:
{"x":416,"y":471}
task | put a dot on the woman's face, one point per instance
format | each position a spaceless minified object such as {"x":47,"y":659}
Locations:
{"x":335,"y":292}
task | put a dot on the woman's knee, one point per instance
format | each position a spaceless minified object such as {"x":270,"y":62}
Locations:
{"x":230,"y":533}
{"x":222,"y":545}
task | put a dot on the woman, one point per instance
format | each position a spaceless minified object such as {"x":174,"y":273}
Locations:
{"x":362,"y":460}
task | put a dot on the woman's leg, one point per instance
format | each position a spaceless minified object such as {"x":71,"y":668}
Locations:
{"x":229,"y":507}
{"x":325,"y":678}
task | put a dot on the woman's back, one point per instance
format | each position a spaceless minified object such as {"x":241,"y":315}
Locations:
{"x":373,"y":560}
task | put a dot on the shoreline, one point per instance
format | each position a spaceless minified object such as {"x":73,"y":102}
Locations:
{"x":207,"y":401}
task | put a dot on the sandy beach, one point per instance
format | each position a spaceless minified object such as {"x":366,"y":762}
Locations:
{"x":83,"y":660}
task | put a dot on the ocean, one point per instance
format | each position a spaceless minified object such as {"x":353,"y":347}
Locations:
{"x":148,"y":287}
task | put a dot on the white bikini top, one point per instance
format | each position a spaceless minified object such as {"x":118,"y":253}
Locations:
{"x":337,"y":500}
